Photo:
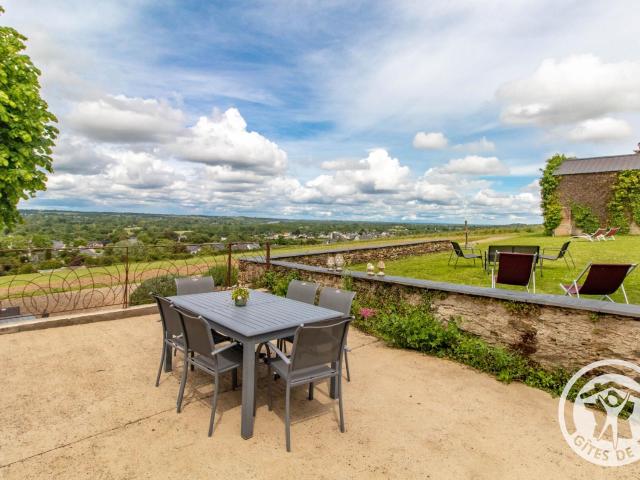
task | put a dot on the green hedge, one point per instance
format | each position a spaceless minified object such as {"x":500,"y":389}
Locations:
{"x":164,"y":286}
{"x":219,"y":274}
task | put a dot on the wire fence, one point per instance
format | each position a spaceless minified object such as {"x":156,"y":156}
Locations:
{"x":40,"y":282}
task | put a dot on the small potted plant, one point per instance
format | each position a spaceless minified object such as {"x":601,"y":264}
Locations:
{"x":240,"y":295}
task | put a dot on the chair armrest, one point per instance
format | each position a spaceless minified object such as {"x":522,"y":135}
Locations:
{"x":226,"y":347}
{"x":557,"y":249}
{"x":271,"y":346}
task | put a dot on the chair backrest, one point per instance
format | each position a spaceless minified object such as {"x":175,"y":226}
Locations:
{"x":170,"y":319}
{"x":456,"y":248}
{"x":318,"y":344}
{"x":515,"y":268}
{"x":302,"y":291}
{"x":197,"y":333}
{"x":492,"y":250}
{"x":189,"y":285}
{"x":336,"y":299}
{"x":563,"y":249}
{"x":526,"y":249}
{"x":612,"y":232}
{"x":599,"y":231}
{"x":605,"y":279}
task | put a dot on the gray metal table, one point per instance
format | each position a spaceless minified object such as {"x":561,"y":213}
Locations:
{"x":265,"y":317}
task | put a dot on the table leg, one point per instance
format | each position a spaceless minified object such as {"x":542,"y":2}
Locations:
{"x":333,"y":385}
{"x":248,"y":388}
{"x":168,"y":355}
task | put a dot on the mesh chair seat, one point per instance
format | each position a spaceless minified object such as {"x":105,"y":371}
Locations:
{"x":302,"y":375}
{"x":227,"y":360}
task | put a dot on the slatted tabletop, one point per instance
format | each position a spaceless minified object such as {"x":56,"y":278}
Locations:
{"x":264,"y":312}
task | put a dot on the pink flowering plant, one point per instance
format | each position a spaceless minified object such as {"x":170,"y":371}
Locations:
{"x":367,"y":313}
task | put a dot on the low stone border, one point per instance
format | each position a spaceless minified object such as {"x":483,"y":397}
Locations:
{"x":552,"y":330}
{"x":78,"y":319}
{"x":368,"y":253}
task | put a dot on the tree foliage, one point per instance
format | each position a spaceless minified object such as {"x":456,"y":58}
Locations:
{"x":625,"y":200}
{"x":550,"y":203}
{"x":27,"y":133}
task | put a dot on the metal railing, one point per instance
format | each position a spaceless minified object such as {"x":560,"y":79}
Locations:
{"x":45,"y":281}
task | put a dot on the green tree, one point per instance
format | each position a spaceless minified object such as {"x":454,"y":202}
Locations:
{"x":27,"y":133}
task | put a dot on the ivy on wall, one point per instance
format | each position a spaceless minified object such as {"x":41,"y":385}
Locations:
{"x":584,"y":218}
{"x":625,"y":200}
{"x":550,"y":203}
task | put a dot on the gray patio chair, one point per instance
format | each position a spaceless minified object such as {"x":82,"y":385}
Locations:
{"x":206,"y":357}
{"x":459,"y":252}
{"x":316,"y":355}
{"x":562,"y":253}
{"x":190,"y":285}
{"x":171,"y":330}
{"x":302,"y":292}
{"x":341,"y":301}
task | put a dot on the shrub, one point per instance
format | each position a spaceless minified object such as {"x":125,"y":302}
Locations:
{"x":164,"y":286}
{"x":584,"y":218}
{"x":277,"y":283}
{"x":550,"y":204}
{"x":219,"y":274}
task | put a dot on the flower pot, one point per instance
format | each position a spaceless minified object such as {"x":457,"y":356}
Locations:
{"x":240,"y":302}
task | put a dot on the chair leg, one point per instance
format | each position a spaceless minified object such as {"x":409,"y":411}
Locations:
{"x":311,"y":391}
{"x":191,"y":355}
{"x":164,"y":349}
{"x":287,"y":417}
{"x":340,"y":403}
{"x":449,"y":261}
{"x":624,"y":292}
{"x":269,"y":394}
{"x":214,"y":404}
{"x":346,"y":364}
{"x":183,"y":381}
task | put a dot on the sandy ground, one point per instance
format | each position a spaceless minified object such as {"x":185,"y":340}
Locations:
{"x":79,"y":402}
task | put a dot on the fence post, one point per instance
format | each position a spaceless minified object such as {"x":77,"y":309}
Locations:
{"x":125,"y":301}
{"x":229,"y":265}
{"x":268,"y":259}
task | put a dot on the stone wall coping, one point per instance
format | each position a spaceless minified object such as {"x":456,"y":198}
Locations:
{"x":544,"y":299}
{"x":348,"y":249}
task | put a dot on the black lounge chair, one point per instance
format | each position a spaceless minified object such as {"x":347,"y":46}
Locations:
{"x":602,"y":279}
{"x":515,"y":269}
{"x":562,"y":253}
{"x":459,"y":253}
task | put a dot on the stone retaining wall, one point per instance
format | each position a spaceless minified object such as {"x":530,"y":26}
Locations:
{"x":552,"y":330}
{"x":366,"y":254}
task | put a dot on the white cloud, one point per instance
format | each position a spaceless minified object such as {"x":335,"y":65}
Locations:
{"x":223,"y":139}
{"x":377,"y":174}
{"x":482,"y":145}
{"x":430,"y":141}
{"x":576,"y":88}
{"x":476,"y":165}
{"x":600,"y":130}
{"x":122,"y":119}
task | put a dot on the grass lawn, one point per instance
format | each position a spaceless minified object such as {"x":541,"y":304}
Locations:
{"x":625,"y":249}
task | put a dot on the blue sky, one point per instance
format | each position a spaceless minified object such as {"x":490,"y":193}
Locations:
{"x":385,"y":110}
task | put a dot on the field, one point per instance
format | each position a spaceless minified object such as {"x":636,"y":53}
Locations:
{"x":625,"y":249}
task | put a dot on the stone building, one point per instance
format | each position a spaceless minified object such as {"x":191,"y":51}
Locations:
{"x":589,"y":182}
